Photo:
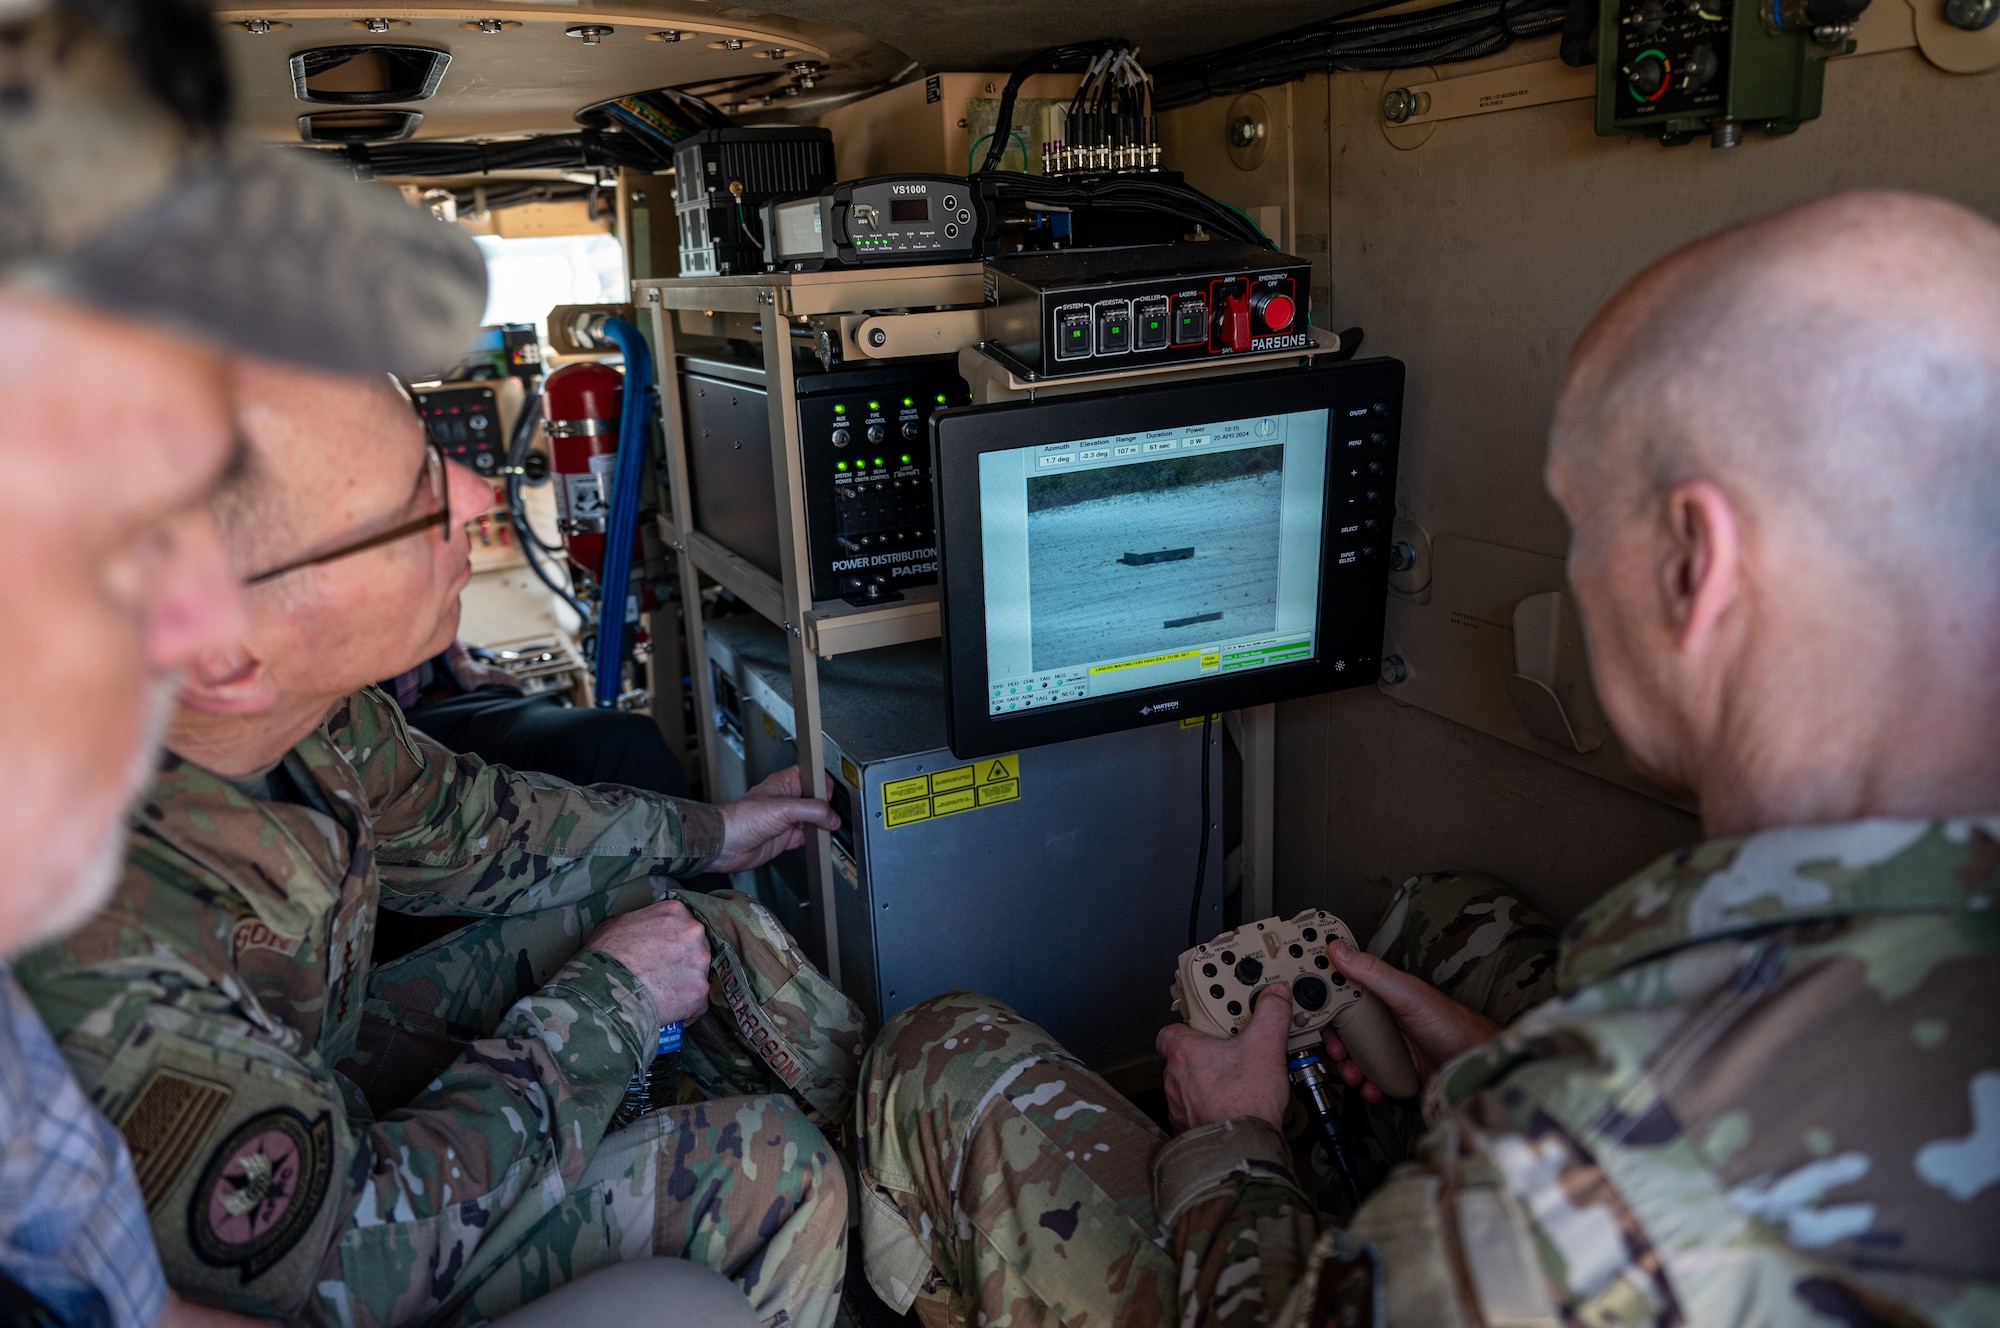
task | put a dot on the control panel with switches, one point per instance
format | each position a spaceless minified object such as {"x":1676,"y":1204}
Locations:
{"x":867,"y":453}
{"x":463,"y":419}
{"x":1079,"y":311}
{"x":1674,"y":69}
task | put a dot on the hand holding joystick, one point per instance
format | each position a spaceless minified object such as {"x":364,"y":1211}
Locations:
{"x":1217,"y":985}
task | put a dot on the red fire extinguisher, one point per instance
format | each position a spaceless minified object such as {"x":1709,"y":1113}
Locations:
{"x":580,"y":404}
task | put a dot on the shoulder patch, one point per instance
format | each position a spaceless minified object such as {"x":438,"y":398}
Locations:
{"x":253,"y":933}
{"x":165,"y":1126}
{"x":260,"y":1190}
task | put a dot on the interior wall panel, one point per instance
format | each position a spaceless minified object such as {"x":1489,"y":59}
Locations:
{"x":1477,"y":258}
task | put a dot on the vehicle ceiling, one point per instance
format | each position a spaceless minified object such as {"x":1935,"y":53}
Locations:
{"x":532,"y":78}
{"x":996,"y":34}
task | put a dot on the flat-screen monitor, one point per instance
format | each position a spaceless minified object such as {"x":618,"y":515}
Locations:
{"x":1152,"y":554}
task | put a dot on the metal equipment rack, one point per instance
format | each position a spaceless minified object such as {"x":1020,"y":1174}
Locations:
{"x":939,"y":305}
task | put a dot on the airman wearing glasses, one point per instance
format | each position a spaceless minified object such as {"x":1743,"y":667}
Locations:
{"x":444,"y":1116}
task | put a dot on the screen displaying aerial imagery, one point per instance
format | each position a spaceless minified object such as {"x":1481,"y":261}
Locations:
{"x":1149,"y":558}
{"x":1133,"y":560}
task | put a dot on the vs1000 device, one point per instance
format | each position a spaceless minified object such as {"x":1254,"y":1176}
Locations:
{"x":1083,"y":311}
{"x":890,"y":219}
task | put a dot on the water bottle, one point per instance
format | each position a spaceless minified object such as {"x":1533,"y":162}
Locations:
{"x":653,"y":1086}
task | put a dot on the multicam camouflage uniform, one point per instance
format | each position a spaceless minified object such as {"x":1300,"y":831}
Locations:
{"x":224,"y":1014}
{"x":1767,"y":1093}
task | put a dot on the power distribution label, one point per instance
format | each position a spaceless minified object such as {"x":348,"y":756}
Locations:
{"x":963,"y":788}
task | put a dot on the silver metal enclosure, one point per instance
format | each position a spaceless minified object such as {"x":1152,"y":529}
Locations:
{"x":1068,"y":899}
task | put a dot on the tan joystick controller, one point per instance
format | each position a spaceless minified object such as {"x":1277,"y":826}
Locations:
{"x":1217,"y":985}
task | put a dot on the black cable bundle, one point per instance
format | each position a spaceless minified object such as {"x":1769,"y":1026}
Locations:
{"x":1008,"y":190}
{"x":1077,"y":55}
{"x":580,"y":151}
{"x":1109,"y":124}
{"x":1463,"y":30}
{"x":661,"y":118}
{"x":637,"y":131}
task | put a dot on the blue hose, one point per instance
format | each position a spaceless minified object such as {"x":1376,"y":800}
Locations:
{"x":623,"y":521}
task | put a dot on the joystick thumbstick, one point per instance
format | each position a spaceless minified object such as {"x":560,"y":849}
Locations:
{"x":1250,"y":971}
{"x":1309,"y":992}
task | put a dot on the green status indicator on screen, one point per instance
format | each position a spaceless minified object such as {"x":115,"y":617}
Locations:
{"x":874,"y":405}
{"x":840,"y":465}
{"x":909,"y":401}
{"x":878,"y":461}
{"x":940,"y":398}
{"x":906,"y":458}
{"x":840,"y":410}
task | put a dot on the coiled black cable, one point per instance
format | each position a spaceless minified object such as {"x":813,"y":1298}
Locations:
{"x":1350,"y":39}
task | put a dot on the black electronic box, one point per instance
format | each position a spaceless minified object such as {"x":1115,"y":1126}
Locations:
{"x":723,"y":178}
{"x":887,"y":220}
{"x":463,"y":419}
{"x":1081,"y":311}
{"x":865,"y":456}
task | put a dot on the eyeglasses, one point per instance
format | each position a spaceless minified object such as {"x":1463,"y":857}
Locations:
{"x":440,"y":482}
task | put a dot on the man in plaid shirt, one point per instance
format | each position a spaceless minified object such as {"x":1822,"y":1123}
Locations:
{"x":138,"y":242}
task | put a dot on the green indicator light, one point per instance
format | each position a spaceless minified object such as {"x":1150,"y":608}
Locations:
{"x":840,"y":410}
{"x":878,"y":461}
{"x":840,"y":465}
{"x":909,"y":401}
{"x":1153,"y":326}
{"x":940,"y":398}
{"x":874,"y":405}
{"x":906,"y":458}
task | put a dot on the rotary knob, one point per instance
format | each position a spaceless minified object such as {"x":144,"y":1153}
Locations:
{"x":1648,"y":75}
{"x":1701,"y":67}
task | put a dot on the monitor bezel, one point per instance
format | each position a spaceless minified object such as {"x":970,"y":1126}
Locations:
{"x":960,"y":436}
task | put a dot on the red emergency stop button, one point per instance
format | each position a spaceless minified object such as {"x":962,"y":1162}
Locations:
{"x":1275,"y":311}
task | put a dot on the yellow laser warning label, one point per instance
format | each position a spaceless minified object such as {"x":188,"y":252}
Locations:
{"x":1195,"y":721}
{"x":962,"y":788}
{"x":904,"y":813}
{"x":947,"y":781}
{"x":947,"y":803}
{"x":902,"y":790}
{"x":850,"y":772}
{"x":1142,"y":663}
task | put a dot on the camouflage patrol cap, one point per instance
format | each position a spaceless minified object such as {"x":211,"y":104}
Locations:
{"x":776,"y":1006}
{"x":116,"y":198}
